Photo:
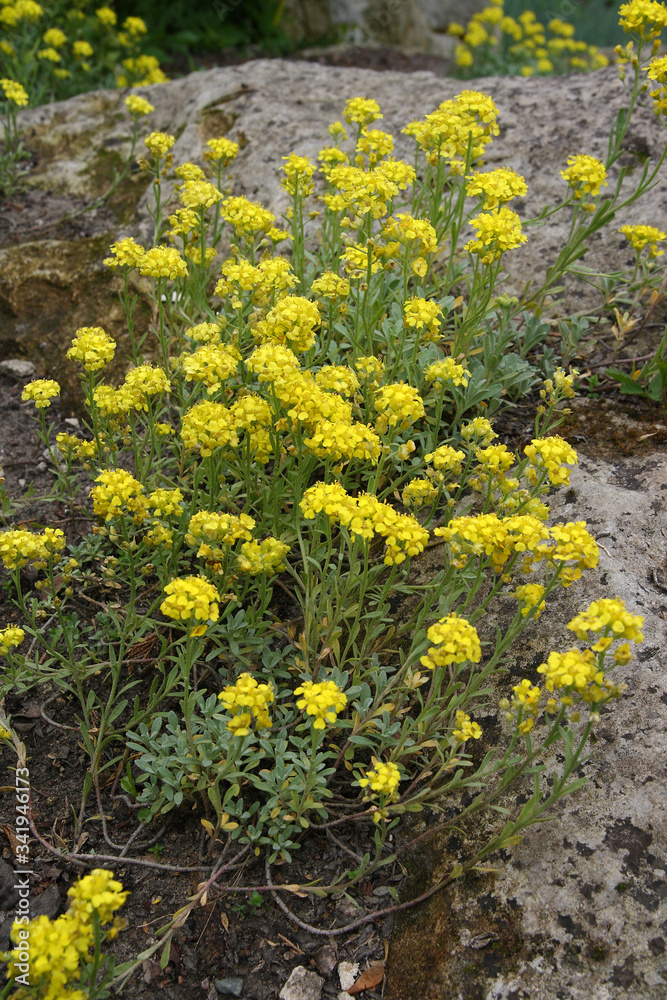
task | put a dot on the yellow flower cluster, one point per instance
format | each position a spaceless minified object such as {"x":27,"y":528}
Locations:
{"x":560,"y":387}
{"x":19,"y":547}
{"x":446,"y":457}
{"x":266,"y":556}
{"x":198,"y":194}
{"x":399,"y":406}
{"x":323,"y":701}
{"x":417,"y":234}
{"x":367,"y":192}
{"x":218,"y":529}
{"x":191,"y":597}
{"x":9,"y":638}
{"x":14,"y":92}
{"x":640,"y":237}
{"x":221,"y":149}
{"x":166,"y":502}
{"x":496,"y":233}
{"x":455,"y":641}
{"x":609,"y":618}
{"x":577,"y":668}
{"x":298,"y":171}
{"x":72,"y":446}
{"x":162,"y":262}
{"x":118,"y":491}
{"x":93,"y":347}
{"x":369,"y":367}
{"x":159,"y":144}
{"x":585,"y":175}
{"x":419,"y":313}
{"x":467,"y":729}
{"x":419,"y":492}
{"x":487,"y":535}
{"x":204,"y":333}
{"x":382,"y":779}
{"x":447,"y":370}
{"x":291,"y":322}
{"x":645,"y":18}
{"x":551,"y":453}
{"x":330,"y":286}
{"x":41,"y":392}
{"x":365,"y":516}
{"x":211,"y":364}
{"x":338,"y":440}
{"x":361,"y":111}
{"x":479,"y":431}
{"x":247,"y":700}
{"x":247,"y":218}
{"x":337,"y":378}
{"x":58,"y":948}
{"x":495,"y":187}
{"x":529,"y":596}
{"x":272,"y":361}
{"x":469,"y":118}
{"x":573,"y":544}
{"x":138,"y":106}
{"x":208,"y":425}
{"x":126,"y":252}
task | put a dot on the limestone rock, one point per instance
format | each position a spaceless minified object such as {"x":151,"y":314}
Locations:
{"x":302,"y":985}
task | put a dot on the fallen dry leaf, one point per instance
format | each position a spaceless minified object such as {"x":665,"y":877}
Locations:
{"x":373,"y":975}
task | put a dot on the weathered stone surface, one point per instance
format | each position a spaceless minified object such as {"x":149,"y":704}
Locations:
{"x":302,"y":985}
{"x":578,"y":910}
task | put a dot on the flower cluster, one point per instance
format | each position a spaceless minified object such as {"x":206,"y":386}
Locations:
{"x":41,"y":392}
{"x":267,"y":556}
{"x":191,"y":597}
{"x":9,"y":638}
{"x":529,"y":596}
{"x":211,"y":364}
{"x":292,"y":322}
{"x":640,"y":237}
{"x":399,"y":406}
{"x":323,"y":701}
{"x":419,"y":313}
{"x":19,"y":547}
{"x":496,"y":233}
{"x":247,"y":700}
{"x":93,"y":347}
{"x":467,"y":729}
{"x":13,"y":91}
{"x":210,"y":529}
{"x":59,"y":948}
{"x":118,"y":491}
{"x":455,"y":641}
{"x":609,"y":619}
{"x":495,"y":187}
{"x":207,"y":426}
{"x":553,"y":454}
{"x":447,"y":370}
{"x":585,"y":175}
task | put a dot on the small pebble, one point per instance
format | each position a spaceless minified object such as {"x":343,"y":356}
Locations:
{"x":347,"y":973}
{"x":17,"y":367}
{"x":302,"y":985}
{"x":232,"y":987}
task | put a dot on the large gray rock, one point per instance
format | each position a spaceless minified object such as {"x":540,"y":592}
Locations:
{"x":579,"y":908}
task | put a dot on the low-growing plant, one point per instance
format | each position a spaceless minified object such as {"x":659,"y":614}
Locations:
{"x":493,"y":43}
{"x":267,"y":481}
{"x":60,"y":49}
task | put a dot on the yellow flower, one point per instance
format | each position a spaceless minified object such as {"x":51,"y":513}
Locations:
{"x":497,"y":232}
{"x":529,"y":596}
{"x":159,"y":144}
{"x":221,"y":149}
{"x":419,"y":313}
{"x":211,"y":364}
{"x":41,"y":391}
{"x":362,"y":111}
{"x":267,"y":556}
{"x":191,"y":597}
{"x":93,"y":347}
{"x":135,"y":26}
{"x":126,"y":252}
{"x":119,"y":491}
{"x":106,"y":15}
{"x":138,"y":106}
{"x":645,"y":236}
{"x":19,"y":547}
{"x":292,"y":321}
{"x":456,"y":641}
{"x":608,"y":617}
{"x":496,"y":187}
{"x":9,"y":638}
{"x":323,"y":701}
{"x":55,"y":38}
{"x":330,"y":286}
{"x":162,"y":262}
{"x":14,"y":91}
{"x":585,"y":175}
{"x":399,"y":405}
{"x":244,"y":700}
{"x":550,"y":453}
{"x":82,"y":50}
{"x":466,"y":728}
{"x":298,"y":172}
{"x":447,"y":370}
{"x":383,"y":780}
{"x":646,"y":18}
